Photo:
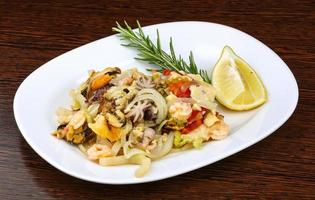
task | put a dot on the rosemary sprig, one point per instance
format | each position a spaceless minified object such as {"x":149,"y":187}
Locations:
{"x":154,"y":54}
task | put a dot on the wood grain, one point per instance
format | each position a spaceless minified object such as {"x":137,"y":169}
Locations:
{"x":281,"y":166}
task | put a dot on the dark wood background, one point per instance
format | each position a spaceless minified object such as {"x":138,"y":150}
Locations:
{"x":281,"y":166}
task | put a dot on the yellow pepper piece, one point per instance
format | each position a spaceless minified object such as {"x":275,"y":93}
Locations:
{"x":101,"y":128}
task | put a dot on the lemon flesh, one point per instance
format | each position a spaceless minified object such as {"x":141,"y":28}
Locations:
{"x":237,"y":85}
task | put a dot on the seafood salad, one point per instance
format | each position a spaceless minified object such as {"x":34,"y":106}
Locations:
{"x":128,"y":117}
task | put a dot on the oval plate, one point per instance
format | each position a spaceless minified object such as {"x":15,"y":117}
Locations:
{"x":47,"y":88}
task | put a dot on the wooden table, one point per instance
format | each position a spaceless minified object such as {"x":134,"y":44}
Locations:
{"x":281,"y":166}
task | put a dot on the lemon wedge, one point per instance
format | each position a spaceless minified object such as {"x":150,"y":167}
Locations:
{"x":237,"y":85}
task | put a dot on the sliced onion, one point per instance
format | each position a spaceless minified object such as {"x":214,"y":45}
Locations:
{"x":156,"y":97}
{"x":129,"y":152}
{"x":149,"y":124}
{"x":161,"y":106}
{"x":183,"y":148}
{"x":159,"y":143}
{"x":126,"y":129}
{"x":93,"y":110}
{"x":159,"y":152}
{"x":144,"y":162}
{"x":116,"y":148}
{"x":149,"y":91}
{"x":64,"y":115}
{"x":78,"y":98}
{"x":158,"y":130}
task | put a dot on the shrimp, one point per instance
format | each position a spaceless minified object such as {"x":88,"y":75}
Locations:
{"x":98,"y":151}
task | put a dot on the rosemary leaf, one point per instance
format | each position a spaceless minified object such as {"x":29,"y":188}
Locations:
{"x":151,"y":53}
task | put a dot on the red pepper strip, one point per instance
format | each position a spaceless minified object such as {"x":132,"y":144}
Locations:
{"x":192,"y":126}
{"x":166,"y":72}
{"x":184,"y":94}
{"x":195,"y":115}
{"x":180,"y":89}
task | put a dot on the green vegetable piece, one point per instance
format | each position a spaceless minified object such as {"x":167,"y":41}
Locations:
{"x":153,"y":54}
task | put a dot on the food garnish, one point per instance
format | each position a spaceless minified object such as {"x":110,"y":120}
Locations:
{"x":154,"y":54}
{"x":128,"y":117}
{"x":237,"y":85}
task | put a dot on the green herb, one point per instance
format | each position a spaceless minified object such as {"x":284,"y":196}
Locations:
{"x":153,"y":54}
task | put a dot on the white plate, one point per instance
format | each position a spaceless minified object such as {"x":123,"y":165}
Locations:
{"x":47,"y":88}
